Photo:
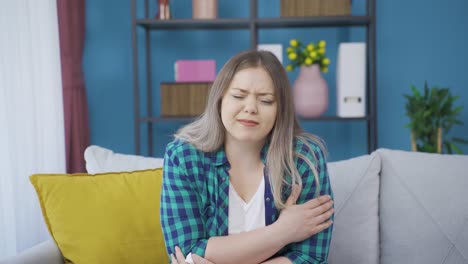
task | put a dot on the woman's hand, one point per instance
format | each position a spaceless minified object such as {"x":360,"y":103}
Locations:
{"x":299,"y":222}
{"x":180,"y":259}
{"x":199,"y":260}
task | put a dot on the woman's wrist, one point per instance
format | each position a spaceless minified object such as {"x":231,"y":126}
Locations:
{"x":280,"y":233}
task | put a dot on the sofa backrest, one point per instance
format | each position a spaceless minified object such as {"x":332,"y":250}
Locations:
{"x":423,"y":207}
{"x":99,"y":160}
{"x":355,"y":184}
{"x":390,"y":207}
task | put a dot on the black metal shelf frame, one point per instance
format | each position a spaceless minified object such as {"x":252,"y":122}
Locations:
{"x":245,"y":23}
{"x":253,"y":24}
{"x":192,"y":118}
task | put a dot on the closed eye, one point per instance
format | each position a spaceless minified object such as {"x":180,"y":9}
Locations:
{"x":268,"y":102}
{"x":237,"y":96}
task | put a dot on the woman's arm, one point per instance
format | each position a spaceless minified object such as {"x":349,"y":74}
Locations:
{"x":249,"y":247}
{"x":315,"y":248}
{"x":183,"y":225}
{"x":296,"y":223}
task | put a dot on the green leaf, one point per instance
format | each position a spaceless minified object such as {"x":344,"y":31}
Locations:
{"x":460,"y":140}
{"x":457,"y":110}
{"x":448,"y":147}
{"x":457,"y":149}
{"x":415,"y":92}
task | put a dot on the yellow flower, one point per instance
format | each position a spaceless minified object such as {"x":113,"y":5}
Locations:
{"x":302,"y":54}
{"x":292,"y":56}
{"x":294,"y":43}
{"x":322,"y":44}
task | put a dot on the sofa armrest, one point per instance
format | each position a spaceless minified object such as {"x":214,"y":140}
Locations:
{"x":44,"y":253}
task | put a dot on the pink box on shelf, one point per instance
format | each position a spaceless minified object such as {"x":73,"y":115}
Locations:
{"x":195,"y":70}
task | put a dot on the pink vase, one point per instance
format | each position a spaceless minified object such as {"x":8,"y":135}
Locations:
{"x":310,"y":92}
{"x":204,"y":9}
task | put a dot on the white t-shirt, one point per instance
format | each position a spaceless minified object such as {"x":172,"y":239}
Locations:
{"x":244,"y":217}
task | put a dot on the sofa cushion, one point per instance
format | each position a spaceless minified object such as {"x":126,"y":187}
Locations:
{"x":104,"y":218}
{"x":423,"y":208}
{"x":99,"y":159}
{"x":355,"y":184}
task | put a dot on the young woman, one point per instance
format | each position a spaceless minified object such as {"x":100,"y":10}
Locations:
{"x":244,"y":183}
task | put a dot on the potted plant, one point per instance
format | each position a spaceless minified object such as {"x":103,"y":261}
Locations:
{"x":432,"y":115}
{"x":310,"y":90}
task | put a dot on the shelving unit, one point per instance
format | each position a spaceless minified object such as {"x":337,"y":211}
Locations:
{"x":253,"y":24}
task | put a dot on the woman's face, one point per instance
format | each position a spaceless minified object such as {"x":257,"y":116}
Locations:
{"x":248,"y":107}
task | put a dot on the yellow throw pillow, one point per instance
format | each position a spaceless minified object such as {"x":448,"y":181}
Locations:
{"x":104,"y":218}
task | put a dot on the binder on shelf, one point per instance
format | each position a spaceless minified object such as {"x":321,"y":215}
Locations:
{"x":183,"y":99}
{"x":276,"y":49}
{"x":195,"y":70}
{"x":351,"y":80}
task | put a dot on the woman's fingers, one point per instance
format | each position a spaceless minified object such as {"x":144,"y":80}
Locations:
{"x":322,"y":217}
{"x":320,"y":204}
{"x":307,"y":219}
{"x":179,"y":255}
{"x":322,"y":208}
{"x":316,"y":202}
{"x":319,"y":228}
{"x":173,"y":260}
{"x":199,"y":260}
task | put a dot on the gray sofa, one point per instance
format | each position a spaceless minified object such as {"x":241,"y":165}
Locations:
{"x":391,"y":207}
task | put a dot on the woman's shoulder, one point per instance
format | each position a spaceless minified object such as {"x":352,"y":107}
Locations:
{"x":309,"y":145}
{"x":181,"y":147}
{"x":310,"y":152}
{"x":184,"y":151}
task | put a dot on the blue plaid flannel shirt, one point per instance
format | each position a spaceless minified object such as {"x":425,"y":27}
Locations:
{"x":195,"y":200}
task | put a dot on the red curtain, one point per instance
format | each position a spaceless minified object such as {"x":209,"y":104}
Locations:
{"x":71,"y":20}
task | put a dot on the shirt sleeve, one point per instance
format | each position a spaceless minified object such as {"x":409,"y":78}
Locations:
{"x":181,"y":220}
{"x":315,"y":248}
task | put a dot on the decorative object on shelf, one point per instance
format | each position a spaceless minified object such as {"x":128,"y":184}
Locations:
{"x":195,"y":70}
{"x":351,"y":80}
{"x":204,"y":9}
{"x":276,"y":49}
{"x":184,"y":99}
{"x":432,"y":115}
{"x":164,"y":10}
{"x":310,"y":90}
{"x":252,"y":24}
{"x":303,"y":8}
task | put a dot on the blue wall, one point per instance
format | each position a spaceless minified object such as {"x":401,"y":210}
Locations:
{"x":416,"y":41}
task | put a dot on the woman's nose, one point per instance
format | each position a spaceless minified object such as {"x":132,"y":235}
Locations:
{"x":250,"y":106}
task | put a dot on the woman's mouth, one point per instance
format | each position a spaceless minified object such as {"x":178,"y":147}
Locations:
{"x":247,"y":122}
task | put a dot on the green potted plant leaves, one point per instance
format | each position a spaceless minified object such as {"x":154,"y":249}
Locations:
{"x":432,"y":115}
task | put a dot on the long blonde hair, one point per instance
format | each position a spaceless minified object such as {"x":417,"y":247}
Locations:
{"x":207,"y":133}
